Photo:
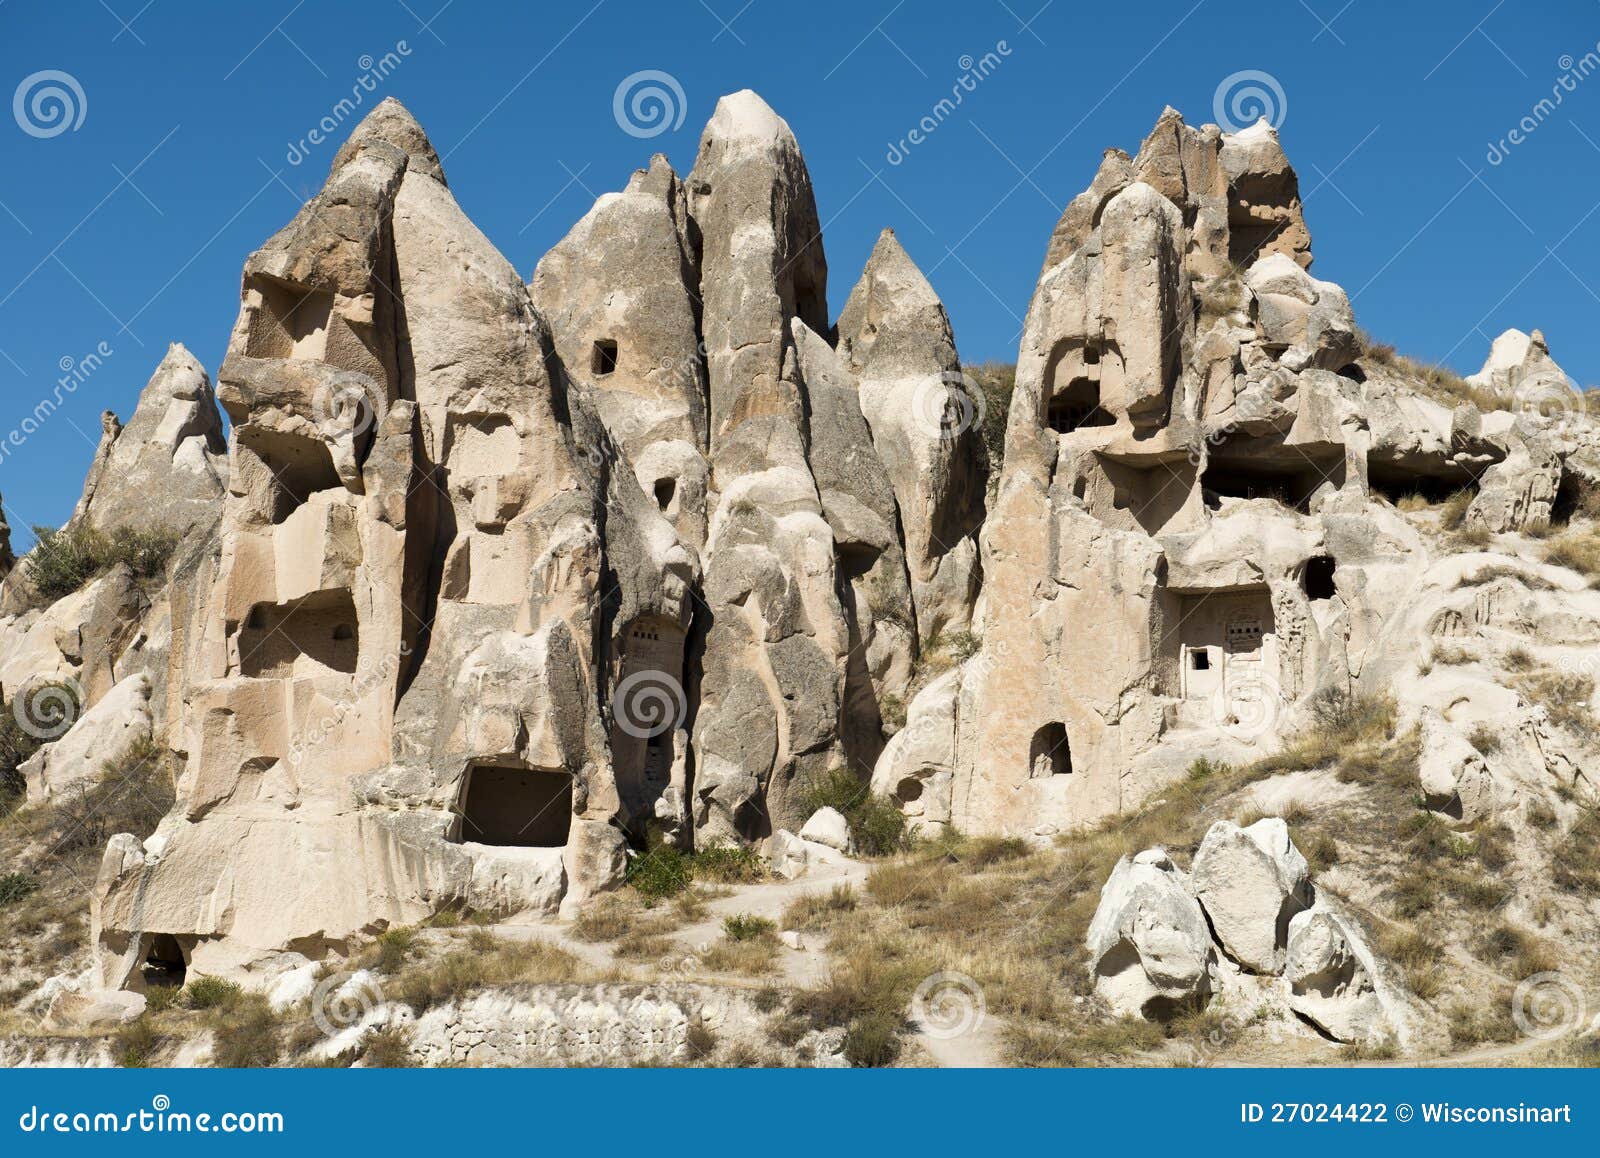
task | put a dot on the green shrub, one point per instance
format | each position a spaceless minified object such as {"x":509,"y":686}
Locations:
{"x":875,"y":822}
{"x":211,"y":993}
{"x":63,"y":561}
{"x":730,"y":864}
{"x":246,"y":1034}
{"x":15,"y":886}
{"x":393,"y":948}
{"x":135,"y":1044}
{"x":659,"y":872}
{"x":747,"y":927}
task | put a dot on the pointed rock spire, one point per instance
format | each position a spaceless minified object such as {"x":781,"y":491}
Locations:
{"x":392,"y":123}
{"x":168,"y":466}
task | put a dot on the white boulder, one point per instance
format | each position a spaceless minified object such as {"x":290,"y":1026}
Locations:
{"x":1251,"y":882}
{"x":828,"y":826}
{"x":1149,"y":948}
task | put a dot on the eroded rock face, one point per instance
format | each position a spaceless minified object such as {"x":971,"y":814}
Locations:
{"x":501,"y":580}
{"x":926,"y":429}
{"x":1336,"y":983}
{"x":405,"y":603}
{"x":509,"y":576}
{"x":1456,"y":779}
{"x":102,"y":738}
{"x":776,"y":660}
{"x":167,"y":468}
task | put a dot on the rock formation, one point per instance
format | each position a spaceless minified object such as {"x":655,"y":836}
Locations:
{"x":500,"y":585}
{"x":167,"y":468}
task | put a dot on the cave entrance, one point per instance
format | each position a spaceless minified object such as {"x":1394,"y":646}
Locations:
{"x":1245,"y":467}
{"x":648,"y":706}
{"x":1049,"y":754}
{"x":603,"y":359}
{"x":1397,"y":483}
{"x":321,"y":627}
{"x":165,"y":965}
{"x":1317,"y":578}
{"x":1077,"y":407}
{"x":507,"y":804}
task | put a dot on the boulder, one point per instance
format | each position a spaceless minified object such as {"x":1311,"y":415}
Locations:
{"x":1456,"y":779}
{"x":1334,"y":980}
{"x":1251,"y":883}
{"x":1149,"y":949}
{"x":100,"y":741}
{"x":95,"y":1008}
{"x":828,"y":826}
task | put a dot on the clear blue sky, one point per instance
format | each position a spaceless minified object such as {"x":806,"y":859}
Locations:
{"x":130,"y":228}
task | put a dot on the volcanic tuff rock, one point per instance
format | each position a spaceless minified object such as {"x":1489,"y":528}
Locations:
{"x":502,"y":583}
{"x":167,"y":468}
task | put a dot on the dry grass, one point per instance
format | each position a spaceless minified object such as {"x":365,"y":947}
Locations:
{"x":460,"y":972}
{"x":1453,"y":512}
{"x":1575,"y":862}
{"x":1440,"y":382}
{"x":1577,"y":550}
{"x":817,"y":910}
{"x":1565,"y":696}
{"x":1418,"y":954}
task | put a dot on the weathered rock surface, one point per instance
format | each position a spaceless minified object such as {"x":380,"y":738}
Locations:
{"x":500,"y":581}
{"x":103,"y":737}
{"x":1149,"y":949}
{"x":1251,"y":883}
{"x":1335,"y":981}
{"x":167,"y":468}
{"x":1456,"y":778}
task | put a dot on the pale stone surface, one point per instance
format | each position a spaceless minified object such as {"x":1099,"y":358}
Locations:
{"x":501,"y":582}
{"x":167,"y":469}
{"x":1456,"y":778}
{"x":828,"y":826}
{"x":1251,"y":883}
{"x":1149,"y":949}
{"x":1334,"y":981}
{"x":101,"y":738}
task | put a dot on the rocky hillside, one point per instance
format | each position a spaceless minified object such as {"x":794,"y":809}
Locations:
{"x":523,"y":643}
